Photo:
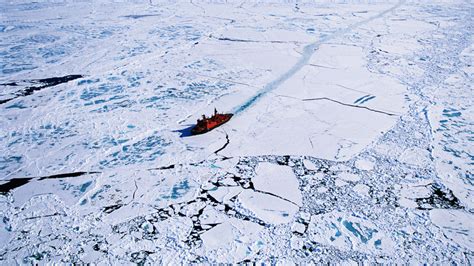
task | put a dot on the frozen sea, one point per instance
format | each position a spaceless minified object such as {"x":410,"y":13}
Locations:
{"x":352,"y":139}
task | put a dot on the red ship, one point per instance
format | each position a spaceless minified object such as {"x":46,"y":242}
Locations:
{"x":207,"y":124}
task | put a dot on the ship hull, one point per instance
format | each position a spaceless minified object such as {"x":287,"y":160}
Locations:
{"x":197,"y":130}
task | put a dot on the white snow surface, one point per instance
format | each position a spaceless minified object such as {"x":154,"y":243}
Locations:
{"x":279,"y":180}
{"x":351,"y":140}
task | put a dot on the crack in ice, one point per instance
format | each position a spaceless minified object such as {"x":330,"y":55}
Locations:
{"x":18,"y":182}
{"x":351,"y":105}
{"x":225,"y":145}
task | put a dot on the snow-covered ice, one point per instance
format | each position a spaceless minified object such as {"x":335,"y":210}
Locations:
{"x":351,"y":140}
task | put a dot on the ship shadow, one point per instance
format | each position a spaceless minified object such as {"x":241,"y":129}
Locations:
{"x":185,"y":132}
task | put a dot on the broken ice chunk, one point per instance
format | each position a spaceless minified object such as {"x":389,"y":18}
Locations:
{"x":278,"y":180}
{"x":298,"y":228}
{"x":309,"y":165}
{"x":268,"y":208}
{"x":364,"y":164}
{"x":349,"y":177}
